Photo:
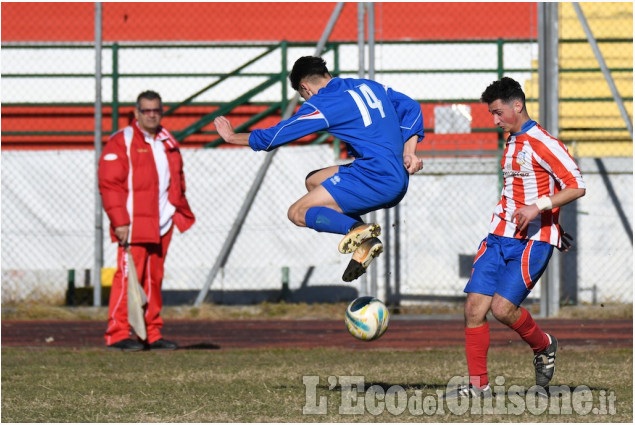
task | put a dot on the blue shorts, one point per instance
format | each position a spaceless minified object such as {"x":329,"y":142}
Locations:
{"x":509,"y":267}
{"x":358,"y":192}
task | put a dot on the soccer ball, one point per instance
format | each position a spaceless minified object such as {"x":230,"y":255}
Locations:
{"x":367,"y":318}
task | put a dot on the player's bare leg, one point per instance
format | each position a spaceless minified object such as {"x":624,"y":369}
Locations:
{"x":358,"y":233}
{"x":505,"y":311}
{"x":315,"y":178}
{"x":320,"y":209}
{"x":475,"y":309}
{"x":317,"y":197}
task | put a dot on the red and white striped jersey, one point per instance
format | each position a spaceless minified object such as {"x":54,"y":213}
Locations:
{"x":534,"y":164}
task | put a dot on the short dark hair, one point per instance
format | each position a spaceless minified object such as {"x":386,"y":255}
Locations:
{"x":148,"y":95}
{"x":506,"y":89}
{"x":307,"y":66}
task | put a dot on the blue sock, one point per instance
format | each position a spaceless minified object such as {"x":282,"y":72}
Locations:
{"x":328,"y":220}
{"x":357,"y":218}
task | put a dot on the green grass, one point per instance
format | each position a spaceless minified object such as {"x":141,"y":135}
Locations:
{"x":95,"y":385}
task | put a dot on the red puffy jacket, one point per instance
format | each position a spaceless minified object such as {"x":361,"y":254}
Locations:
{"x":129,"y":185}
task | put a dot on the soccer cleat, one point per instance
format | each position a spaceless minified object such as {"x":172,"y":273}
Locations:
{"x":545,"y":363}
{"x":357,"y":235}
{"x":126,"y":345}
{"x":362,"y":257}
{"x":468,"y":391}
{"x":163,"y":344}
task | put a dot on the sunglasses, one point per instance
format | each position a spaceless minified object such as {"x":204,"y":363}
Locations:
{"x":151,"y":111}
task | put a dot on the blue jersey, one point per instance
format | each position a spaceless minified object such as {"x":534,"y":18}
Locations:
{"x":372,"y":119}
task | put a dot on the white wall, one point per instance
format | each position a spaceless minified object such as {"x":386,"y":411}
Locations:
{"x":218,"y":60}
{"x":48,"y":210}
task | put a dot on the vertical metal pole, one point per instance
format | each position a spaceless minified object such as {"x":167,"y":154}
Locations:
{"x":115,"y":87}
{"x":387,"y":235}
{"x":370,"y":33}
{"x":99,"y":235}
{"x":361,"y":73}
{"x":360,"y":40}
{"x":548,"y":110}
{"x":283,"y":75}
{"x":397,"y":293}
{"x":371,"y":40}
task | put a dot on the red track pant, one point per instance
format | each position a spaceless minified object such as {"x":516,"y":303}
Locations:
{"x":149,"y":260}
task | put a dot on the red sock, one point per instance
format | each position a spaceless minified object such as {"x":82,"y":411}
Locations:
{"x":476,"y":346}
{"x":530,"y":332}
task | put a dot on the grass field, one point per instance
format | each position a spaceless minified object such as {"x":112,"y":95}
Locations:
{"x":90,"y":384}
{"x":94,"y":385}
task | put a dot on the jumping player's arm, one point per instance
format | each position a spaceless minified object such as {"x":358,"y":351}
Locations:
{"x":226,"y":131}
{"x":307,"y":120}
{"x":410,"y":159}
{"x":411,"y":124}
{"x":409,"y":113}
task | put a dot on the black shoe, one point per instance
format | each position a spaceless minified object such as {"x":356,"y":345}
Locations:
{"x":468,"y":391}
{"x":126,"y":345}
{"x":362,"y":257}
{"x":163,"y":344}
{"x":545,"y":363}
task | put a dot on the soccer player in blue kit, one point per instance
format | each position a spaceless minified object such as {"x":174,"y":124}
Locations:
{"x":381,"y":128}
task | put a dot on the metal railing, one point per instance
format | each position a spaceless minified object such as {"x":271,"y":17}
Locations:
{"x":117,"y":50}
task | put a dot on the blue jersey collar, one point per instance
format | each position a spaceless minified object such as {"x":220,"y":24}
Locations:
{"x":525,"y":128}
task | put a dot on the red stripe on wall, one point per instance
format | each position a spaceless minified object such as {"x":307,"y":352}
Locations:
{"x":234,"y":21}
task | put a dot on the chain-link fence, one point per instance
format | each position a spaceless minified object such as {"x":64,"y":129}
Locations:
{"x":202,"y":62}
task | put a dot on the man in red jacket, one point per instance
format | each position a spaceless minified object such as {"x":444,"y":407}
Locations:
{"x":142,"y":187}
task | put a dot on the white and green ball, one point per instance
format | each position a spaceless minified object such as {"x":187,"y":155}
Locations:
{"x":367,"y":318}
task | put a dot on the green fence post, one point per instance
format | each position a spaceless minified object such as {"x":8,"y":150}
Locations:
{"x":499,"y":53}
{"x":286,"y":293}
{"x":336,"y":59}
{"x":70,"y":291}
{"x":501,"y":72}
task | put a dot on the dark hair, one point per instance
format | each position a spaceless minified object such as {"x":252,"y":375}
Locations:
{"x":506,"y":89}
{"x":148,"y":95}
{"x":307,"y":66}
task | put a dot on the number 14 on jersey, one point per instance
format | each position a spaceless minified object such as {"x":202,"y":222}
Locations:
{"x":371,"y":102}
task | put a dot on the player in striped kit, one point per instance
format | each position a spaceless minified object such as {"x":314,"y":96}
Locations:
{"x":381,"y":128}
{"x":539,"y":177}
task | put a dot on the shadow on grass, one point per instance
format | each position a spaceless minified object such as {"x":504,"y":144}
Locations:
{"x":385,"y":386}
{"x":201,"y":346}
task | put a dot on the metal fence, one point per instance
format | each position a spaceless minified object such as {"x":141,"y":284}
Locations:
{"x":48,"y":193}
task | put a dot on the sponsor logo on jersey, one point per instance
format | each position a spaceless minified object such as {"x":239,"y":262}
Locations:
{"x":521,"y":158}
{"x":514,"y":173}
